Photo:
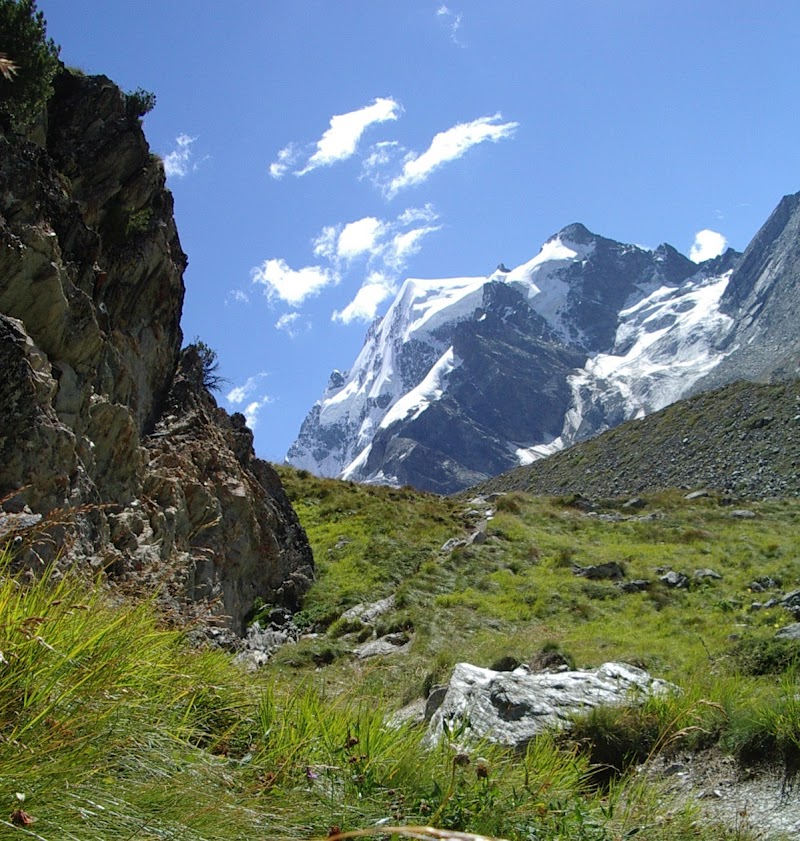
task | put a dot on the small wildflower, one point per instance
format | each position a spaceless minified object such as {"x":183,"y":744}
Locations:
{"x":461,"y":759}
{"x":481,"y":768}
{"x":311,"y":774}
{"x":19,"y":817}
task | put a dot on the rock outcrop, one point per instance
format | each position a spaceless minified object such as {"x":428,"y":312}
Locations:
{"x":512,"y":707}
{"x":106,"y":427}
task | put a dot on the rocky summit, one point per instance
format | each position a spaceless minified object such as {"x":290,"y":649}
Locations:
{"x":465,"y":378}
{"x":110,"y":441}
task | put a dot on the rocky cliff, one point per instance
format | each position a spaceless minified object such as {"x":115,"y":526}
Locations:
{"x":763,"y":299}
{"x":106,"y":427}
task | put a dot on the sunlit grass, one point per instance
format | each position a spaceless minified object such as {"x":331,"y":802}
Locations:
{"x":113,"y":728}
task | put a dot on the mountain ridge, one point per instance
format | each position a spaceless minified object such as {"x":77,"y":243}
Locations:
{"x":612,"y":332}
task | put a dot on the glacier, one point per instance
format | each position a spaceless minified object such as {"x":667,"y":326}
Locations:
{"x":612,"y":331}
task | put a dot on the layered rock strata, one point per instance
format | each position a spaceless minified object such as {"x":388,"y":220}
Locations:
{"x":106,"y":428}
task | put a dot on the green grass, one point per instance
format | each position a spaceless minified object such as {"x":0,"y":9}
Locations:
{"x":516,"y":593}
{"x":111,"y":727}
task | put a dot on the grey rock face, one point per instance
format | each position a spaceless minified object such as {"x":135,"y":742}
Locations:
{"x":763,"y":297}
{"x":512,"y":707}
{"x":105,"y":428}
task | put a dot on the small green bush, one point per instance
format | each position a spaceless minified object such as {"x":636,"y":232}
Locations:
{"x":765,"y":656}
{"x":24,"y":41}
{"x":616,"y":738}
{"x":212,"y":379}
{"x":139,"y":102}
{"x":344,"y":626}
{"x":138,"y":222}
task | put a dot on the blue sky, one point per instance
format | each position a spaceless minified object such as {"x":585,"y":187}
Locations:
{"x":320,"y":151}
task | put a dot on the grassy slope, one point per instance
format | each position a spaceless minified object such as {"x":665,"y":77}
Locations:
{"x":113,"y":729}
{"x":516,"y":592}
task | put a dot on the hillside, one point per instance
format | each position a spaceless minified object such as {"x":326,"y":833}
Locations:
{"x":115,"y":727}
{"x":743,"y":440}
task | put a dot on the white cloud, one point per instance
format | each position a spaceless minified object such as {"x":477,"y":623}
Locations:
{"x":707,"y":244}
{"x":340,"y":141}
{"x":291,"y":324}
{"x":178,"y":162}
{"x":359,"y":237}
{"x":240,"y":393}
{"x":252,"y":409}
{"x":448,"y":146}
{"x":374,"y":291}
{"x":346,"y":242}
{"x":380,"y":248}
{"x":385,"y":243}
{"x":381,"y":155}
{"x":292,"y":286}
{"x":406,"y":245}
{"x":325,"y":243}
{"x":412,"y":215}
{"x":452,"y":21}
{"x":239,"y":296}
{"x":287,"y":158}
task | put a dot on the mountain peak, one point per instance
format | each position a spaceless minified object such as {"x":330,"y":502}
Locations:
{"x":473,"y":375}
{"x":577,"y":233}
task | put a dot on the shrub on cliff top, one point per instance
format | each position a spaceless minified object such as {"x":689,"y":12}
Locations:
{"x":24,"y":42}
{"x":212,"y":379}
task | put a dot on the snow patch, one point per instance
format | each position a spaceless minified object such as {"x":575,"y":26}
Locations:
{"x":431,"y":389}
{"x":664,"y":344}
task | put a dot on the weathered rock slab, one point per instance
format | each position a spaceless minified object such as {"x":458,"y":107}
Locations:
{"x":510,"y":708}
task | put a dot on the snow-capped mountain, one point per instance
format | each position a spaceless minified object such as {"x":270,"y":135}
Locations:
{"x":464,"y":378}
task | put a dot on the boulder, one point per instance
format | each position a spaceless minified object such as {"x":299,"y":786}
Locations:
{"x":610,"y":571}
{"x":510,"y":708}
{"x":453,"y":543}
{"x":398,"y":643}
{"x":368,"y":613}
{"x":635,"y":585}
{"x":789,"y":632}
{"x":675,"y":580}
{"x":705,"y":574}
